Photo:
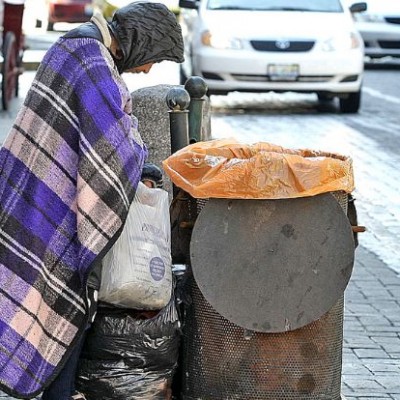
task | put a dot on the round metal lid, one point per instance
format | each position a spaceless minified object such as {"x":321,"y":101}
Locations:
{"x":272,"y":265}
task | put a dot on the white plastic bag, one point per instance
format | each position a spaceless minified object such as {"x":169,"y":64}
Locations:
{"x":137,"y":271}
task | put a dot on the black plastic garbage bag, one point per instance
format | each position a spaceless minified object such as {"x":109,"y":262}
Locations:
{"x":129,"y":356}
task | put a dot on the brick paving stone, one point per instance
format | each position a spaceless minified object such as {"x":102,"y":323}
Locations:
{"x":380,"y":320}
{"x":362,"y":343}
{"x":361,"y":309}
{"x":392,"y":349}
{"x":356,"y":369}
{"x":368,"y":396}
{"x":390,"y":367}
{"x":391,"y":383}
{"x":363,"y":383}
{"x":370,"y":304}
{"x":370,"y":353}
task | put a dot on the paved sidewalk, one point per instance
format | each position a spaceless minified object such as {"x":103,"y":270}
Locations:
{"x":371,"y":354}
{"x":371,"y":351}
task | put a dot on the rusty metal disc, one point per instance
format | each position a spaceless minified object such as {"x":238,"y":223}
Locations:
{"x":272,"y":265}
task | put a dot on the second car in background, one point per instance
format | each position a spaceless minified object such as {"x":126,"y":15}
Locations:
{"x":108,"y":7}
{"x":68,"y":11}
{"x":380,"y":28}
{"x":275,"y":45}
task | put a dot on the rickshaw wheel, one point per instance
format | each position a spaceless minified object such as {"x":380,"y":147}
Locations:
{"x":19,"y":67}
{"x":8,"y":70}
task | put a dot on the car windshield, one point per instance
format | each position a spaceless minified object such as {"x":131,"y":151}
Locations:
{"x":277,"y":5}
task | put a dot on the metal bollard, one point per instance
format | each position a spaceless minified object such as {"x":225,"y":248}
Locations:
{"x":178,"y":99}
{"x":197,"y":88}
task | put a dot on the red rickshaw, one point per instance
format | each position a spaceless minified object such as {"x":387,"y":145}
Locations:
{"x":12,"y":48}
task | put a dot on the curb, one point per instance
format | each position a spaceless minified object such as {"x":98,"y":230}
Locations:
{"x":32,"y":59}
{"x":30,"y":66}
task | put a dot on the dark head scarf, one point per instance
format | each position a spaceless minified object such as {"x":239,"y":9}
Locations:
{"x":146,"y":32}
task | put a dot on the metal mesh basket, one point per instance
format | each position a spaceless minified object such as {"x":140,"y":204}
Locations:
{"x":222,"y":361}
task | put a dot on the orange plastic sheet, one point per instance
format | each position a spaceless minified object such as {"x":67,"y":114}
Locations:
{"x":225,"y":168}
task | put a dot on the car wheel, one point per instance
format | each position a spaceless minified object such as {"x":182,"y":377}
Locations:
{"x":182,"y":76}
{"x":8,"y":69}
{"x":324,"y":97}
{"x":350,"y":104}
{"x":50,"y":26}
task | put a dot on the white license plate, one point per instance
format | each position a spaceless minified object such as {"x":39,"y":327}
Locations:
{"x":283,"y":72}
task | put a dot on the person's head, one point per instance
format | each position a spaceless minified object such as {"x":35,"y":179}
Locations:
{"x":145,"y":33}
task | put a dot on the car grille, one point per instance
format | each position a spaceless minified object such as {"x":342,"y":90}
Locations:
{"x":282,"y":45}
{"x":393,"y":20}
{"x":389,"y":44}
{"x":266,"y":78}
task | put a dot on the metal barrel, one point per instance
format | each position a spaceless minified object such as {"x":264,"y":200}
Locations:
{"x":220,"y":360}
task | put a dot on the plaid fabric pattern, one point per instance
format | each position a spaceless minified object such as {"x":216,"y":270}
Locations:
{"x":69,"y":169}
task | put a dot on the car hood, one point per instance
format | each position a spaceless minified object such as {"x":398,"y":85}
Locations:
{"x":383,"y":7}
{"x":250,"y":24}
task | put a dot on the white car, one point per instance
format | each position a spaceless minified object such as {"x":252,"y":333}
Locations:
{"x":380,"y":28}
{"x":108,"y":7}
{"x":275,"y":45}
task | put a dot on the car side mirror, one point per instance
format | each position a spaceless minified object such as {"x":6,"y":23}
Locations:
{"x":192,"y":4}
{"x":358,"y":7}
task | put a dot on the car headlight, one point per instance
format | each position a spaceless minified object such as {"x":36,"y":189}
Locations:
{"x":342,"y":42}
{"x":365,"y":17}
{"x":219,"y":41}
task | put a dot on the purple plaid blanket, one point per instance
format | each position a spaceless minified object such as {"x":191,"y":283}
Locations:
{"x":69,"y":169}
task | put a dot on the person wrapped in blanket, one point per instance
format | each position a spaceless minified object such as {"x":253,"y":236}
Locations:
{"x":69,"y":170}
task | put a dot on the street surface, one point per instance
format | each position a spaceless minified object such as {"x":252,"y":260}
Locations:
{"x":371,"y":138}
{"x":371,"y":354}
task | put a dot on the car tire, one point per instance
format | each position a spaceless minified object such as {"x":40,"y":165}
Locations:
{"x":350,"y":104}
{"x":324,"y":97}
{"x":182,"y":76}
{"x":50,"y":26}
{"x":9,"y":75}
